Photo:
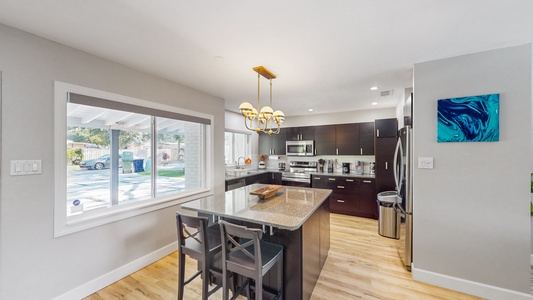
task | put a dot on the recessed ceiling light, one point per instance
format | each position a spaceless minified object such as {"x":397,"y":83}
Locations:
{"x":374,"y":103}
{"x":310,"y":109}
{"x":373,"y":88}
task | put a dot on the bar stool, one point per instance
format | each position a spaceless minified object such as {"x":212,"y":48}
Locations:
{"x":251,"y":258}
{"x":201,"y":243}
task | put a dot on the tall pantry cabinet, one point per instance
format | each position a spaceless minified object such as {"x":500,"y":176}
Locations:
{"x":385,"y":144}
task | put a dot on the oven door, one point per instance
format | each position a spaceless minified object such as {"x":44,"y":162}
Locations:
{"x":302,"y":182}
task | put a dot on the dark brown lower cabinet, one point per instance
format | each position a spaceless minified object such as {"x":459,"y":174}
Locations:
{"x":368,"y":206}
{"x":350,"y":196}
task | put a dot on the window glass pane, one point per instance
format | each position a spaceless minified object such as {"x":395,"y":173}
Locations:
{"x":180,"y":162}
{"x":94,"y":141}
{"x":241,"y":143}
{"x":134,"y":183}
{"x":228,"y":148}
{"x":236,"y":145}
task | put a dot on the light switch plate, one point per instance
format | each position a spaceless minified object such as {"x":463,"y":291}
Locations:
{"x":425,"y":162}
{"x":26,"y":167}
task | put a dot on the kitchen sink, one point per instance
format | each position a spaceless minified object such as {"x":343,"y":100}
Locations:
{"x":242,"y":172}
{"x":238,"y":172}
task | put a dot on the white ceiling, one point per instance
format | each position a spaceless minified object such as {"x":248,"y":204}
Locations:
{"x":326,"y":54}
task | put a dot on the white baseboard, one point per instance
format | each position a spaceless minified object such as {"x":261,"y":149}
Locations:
{"x":99,"y":283}
{"x":470,"y":287}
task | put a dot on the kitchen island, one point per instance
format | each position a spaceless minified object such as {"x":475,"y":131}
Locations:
{"x":296,"y":217}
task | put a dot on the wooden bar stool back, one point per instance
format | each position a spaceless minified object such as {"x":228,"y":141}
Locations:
{"x":244,"y":253}
{"x":201,"y":243}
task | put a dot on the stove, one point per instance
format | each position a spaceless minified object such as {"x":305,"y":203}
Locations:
{"x":299,"y":173}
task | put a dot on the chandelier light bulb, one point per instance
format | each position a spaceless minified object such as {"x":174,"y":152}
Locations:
{"x":245,"y":108}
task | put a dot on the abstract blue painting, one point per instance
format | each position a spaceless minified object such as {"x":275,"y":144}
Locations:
{"x":469,"y":119}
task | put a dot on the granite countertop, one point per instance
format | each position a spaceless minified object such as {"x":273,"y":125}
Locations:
{"x":258,"y":171}
{"x":288,"y":209}
{"x":251,"y":172}
{"x":340,"y":174}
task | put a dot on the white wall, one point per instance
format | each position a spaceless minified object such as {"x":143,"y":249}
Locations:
{"x":471,"y":212}
{"x":33,"y":264}
{"x":356,"y":116}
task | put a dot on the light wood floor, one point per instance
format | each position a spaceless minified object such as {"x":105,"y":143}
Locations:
{"x":361,"y":265}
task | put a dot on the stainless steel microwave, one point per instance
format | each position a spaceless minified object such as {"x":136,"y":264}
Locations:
{"x":300,"y":148}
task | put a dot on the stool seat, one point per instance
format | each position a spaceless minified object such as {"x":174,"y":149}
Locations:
{"x":269,"y":255}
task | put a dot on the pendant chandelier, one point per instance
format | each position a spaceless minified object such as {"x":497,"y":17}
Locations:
{"x":267,"y":120}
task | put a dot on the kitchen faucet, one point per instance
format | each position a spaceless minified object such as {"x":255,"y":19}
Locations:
{"x":238,"y":161}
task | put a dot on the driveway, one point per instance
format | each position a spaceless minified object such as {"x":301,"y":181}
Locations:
{"x":91,"y":187}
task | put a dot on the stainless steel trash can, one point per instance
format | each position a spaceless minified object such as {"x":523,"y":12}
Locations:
{"x":389,"y":221}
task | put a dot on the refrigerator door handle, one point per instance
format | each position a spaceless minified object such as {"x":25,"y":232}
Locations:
{"x":399,"y":209}
{"x":398,"y":170}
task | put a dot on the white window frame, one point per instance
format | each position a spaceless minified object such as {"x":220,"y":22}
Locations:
{"x":248,"y":143}
{"x":64,"y":225}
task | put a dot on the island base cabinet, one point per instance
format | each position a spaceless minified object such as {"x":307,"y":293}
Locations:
{"x":304,"y":254}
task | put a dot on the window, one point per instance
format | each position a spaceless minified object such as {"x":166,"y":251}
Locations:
{"x":124,"y":157}
{"x":236,"y":145}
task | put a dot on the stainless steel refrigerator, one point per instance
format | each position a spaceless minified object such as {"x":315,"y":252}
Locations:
{"x":404,"y":207}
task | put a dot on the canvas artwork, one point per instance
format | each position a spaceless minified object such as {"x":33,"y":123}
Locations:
{"x":469,"y":119}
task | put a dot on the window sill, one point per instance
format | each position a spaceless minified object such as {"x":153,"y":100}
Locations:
{"x":101,"y":217}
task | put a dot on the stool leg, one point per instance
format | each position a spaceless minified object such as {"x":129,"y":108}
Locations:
{"x":225,"y":290}
{"x":249,"y":290}
{"x":205,"y":280}
{"x":259,"y":287}
{"x":181,"y":275}
{"x":280,"y":276}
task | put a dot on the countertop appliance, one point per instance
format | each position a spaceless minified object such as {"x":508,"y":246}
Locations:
{"x":345,"y":168}
{"x":281,"y":166}
{"x":299,"y":173}
{"x":300,"y":148}
{"x":372,"y":168}
{"x":330,"y":166}
{"x":359,"y":167}
{"x":404,"y":208}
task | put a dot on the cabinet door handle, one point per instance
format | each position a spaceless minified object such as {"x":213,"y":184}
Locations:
{"x":337,"y":151}
{"x":316,"y":178}
{"x":349,"y":180}
{"x":377,"y":132}
{"x":386,"y":165}
{"x":341,"y":201}
{"x":340,"y":186}
{"x":332,"y":179}
{"x":315,"y":151}
{"x":361,"y":151}
{"x":367,"y":181}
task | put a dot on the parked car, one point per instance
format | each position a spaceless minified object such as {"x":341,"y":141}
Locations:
{"x":103,"y":162}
